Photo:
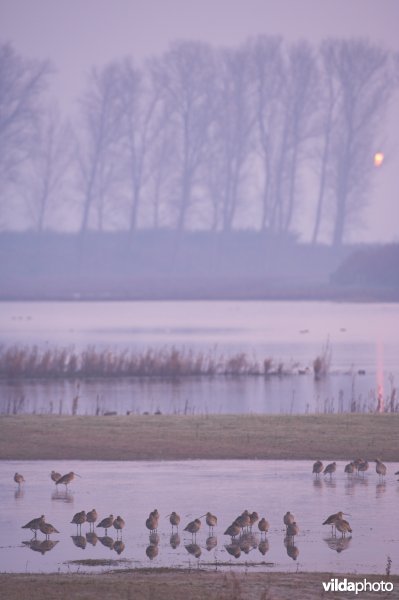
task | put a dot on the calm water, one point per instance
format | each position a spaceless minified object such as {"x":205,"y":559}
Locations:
{"x":226,"y":488}
{"x":363,"y":337}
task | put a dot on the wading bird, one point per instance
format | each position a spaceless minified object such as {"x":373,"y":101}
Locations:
{"x":317,"y":467}
{"x":330,"y":469}
{"x":350,"y":468}
{"x":91,"y":517}
{"x":343,"y":526}
{"x":288,"y":519}
{"x":253,"y":518}
{"x":380,"y":468}
{"x":211,"y":520}
{"x":55,"y":476}
{"x":152,"y":521}
{"x":233,"y":530}
{"x":78,"y":519}
{"x":34,"y":525}
{"x":106,"y":523}
{"x":18,"y":478}
{"x":47,"y":529}
{"x":363,"y":467}
{"x":331,"y":520}
{"x":174,"y":519}
{"x":193,"y":527}
{"x":263,"y":526}
{"x":119,"y":524}
{"x":66,"y":479}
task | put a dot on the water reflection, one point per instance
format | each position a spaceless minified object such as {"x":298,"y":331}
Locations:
{"x":248,"y":542}
{"x":79,"y":541}
{"x":41,"y":546}
{"x":19,"y":493}
{"x":211,"y":542}
{"x":92,"y":537}
{"x":119,"y":546}
{"x":338,"y":544}
{"x":292,"y":549}
{"x":263,"y":546}
{"x":62,"y":496}
{"x":174,"y":540}
{"x":152,"y":551}
{"x":107,"y":541}
{"x":234,"y":549}
{"x":380,"y":489}
{"x":193,"y":549}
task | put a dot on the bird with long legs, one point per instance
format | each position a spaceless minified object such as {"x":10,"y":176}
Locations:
{"x":174,"y":519}
{"x":47,"y":529}
{"x":34,"y":524}
{"x":332,"y":519}
{"x":317,"y":468}
{"x":66,"y":479}
{"x":211,"y":520}
{"x":91,"y":518}
{"x":106,"y":523}
{"x":343,"y":527}
{"x":193,"y":527}
{"x":55,"y":476}
{"x":78,"y":519}
{"x":380,"y":468}
{"x":330,"y":469}
{"x":119,"y":524}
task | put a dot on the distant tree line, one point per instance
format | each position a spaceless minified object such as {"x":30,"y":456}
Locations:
{"x":199,"y":138}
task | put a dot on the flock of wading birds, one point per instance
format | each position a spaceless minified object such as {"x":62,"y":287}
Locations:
{"x":241,"y":525}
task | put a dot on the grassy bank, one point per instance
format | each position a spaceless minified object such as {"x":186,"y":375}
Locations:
{"x":165,"y":584}
{"x":154,"y":437}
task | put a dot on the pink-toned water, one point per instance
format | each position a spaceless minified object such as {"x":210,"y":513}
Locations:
{"x":226,"y":488}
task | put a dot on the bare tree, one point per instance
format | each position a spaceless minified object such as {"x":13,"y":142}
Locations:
{"x":186,"y":75}
{"x":22,"y":84}
{"x":47,"y":167}
{"x":362,"y":73}
{"x":98,"y":156}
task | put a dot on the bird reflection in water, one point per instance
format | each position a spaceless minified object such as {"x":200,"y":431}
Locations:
{"x":211,"y":542}
{"x":292,"y":550}
{"x":79,"y":541}
{"x":92,"y":537}
{"x":62,"y":496}
{"x":248,"y":542}
{"x":41,"y":546}
{"x":233,"y":549}
{"x":119,"y":546}
{"x":338,"y":544}
{"x":152,"y":551}
{"x":106,"y":541}
{"x":263,"y":546}
{"x":318,"y":484}
{"x":174,"y":541}
{"x":193,"y":549}
{"x":380,"y":489}
{"x":19,"y":493}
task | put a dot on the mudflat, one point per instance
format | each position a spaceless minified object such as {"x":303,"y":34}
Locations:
{"x":169,"y":584}
{"x":161,"y":437}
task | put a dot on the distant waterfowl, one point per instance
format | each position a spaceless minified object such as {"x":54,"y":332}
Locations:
{"x":317,"y":467}
{"x":18,"y":478}
{"x":330,"y":469}
{"x":380,"y":468}
{"x":211,"y":520}
{"x":119,"y":524}
{"x":243,"y":520}
{"x":343,"y":526}
{"x":55,"y":476}
{"x":363,"y":467}
{"x":174,"y":519}
{"x":106,"y":523}
{"x":263,"y":525}
{"x":153,"y":520}
{"x":193,"y":527}
{"x":253,"y":518}
{"x":47,"y":529}
{"x":292,"y":530}
{"x":349,"y":468}
{"x":91,"y":517}
{"x":288,"y":519}
{"x":34,"y":524}
{"x":233,"y":530}
{"x":79,"y":518}
{"x":66,"y":479}
{"x":332,"y":519}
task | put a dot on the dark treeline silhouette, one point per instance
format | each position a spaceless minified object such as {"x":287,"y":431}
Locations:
{"x":199,"y":138}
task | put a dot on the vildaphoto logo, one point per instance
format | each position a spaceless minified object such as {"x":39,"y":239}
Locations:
{"x":345,"y":585}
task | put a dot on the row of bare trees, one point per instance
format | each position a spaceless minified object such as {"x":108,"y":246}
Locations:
{"x":199,"y":137}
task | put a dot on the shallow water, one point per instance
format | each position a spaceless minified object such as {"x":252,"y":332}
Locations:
{"x":226,"y":488}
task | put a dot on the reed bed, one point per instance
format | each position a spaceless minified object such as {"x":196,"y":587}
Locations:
{"x":31,"y":362}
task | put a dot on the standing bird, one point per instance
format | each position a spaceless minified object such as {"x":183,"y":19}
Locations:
{"x":263,"y":526}
{"x":211,"y":520}
{"x":34,"y":525}
{"x":47,"y":529}
{"x":343,"y":526}
{"x":330,"y":469}
{"x":317,"y":467}
{"x":243,"y":520}
{"x":288,"y":519}
{"x":350,"y":468}
{"x":174,"y":519}
{"x":233,"y":530}
{"x":78,"y":519}
{"x":363,"y":467}
{"x":253,"y":518}
{"x":119,"y":524}
{"x":91,"y":517}
{"x":193,"y":527}
{"x":332,"y":519}
{"x":66,"y":479}
{"x":153,"y":520}
{"x":55,"y":476}
{"x":106,"y":523}
{"x":380,"y":468}
{"x":292,"y":530}
{"x":18,"y":478}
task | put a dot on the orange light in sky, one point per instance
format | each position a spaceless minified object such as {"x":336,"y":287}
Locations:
{"x":378,"y":159}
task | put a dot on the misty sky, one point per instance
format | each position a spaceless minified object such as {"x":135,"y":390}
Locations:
{"x":77,"y":34}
